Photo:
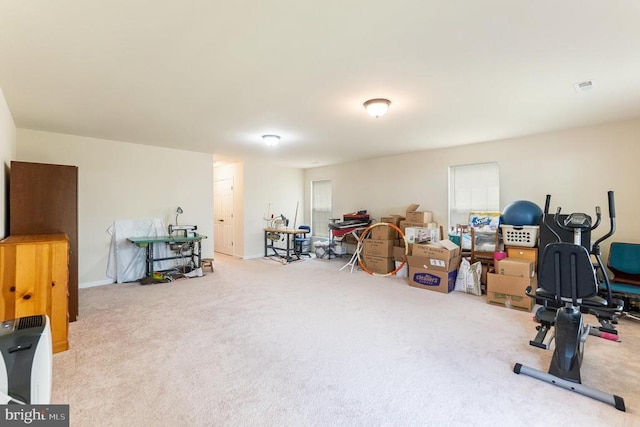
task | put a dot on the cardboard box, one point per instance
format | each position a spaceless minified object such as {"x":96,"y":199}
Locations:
{"x":383,"y":232}
{"x":392,"y":219}
{"x":379,"y":248}
{"x":398,"y":253}
{"x":515,"y":267}
{"x":349,"y":238}
{"x":509,"y":291}
{"x":443,"y":249}
{"x":523,"y":253}
{"x":412,"y":207}
{"x":439,"y":281}
{"x":414,"y":215}
{"x":419,"y":216}
{"x":434,"y":263}
{"x":416,"y":234}
{"x":379,"y":265}
{"x":424,"y":275}
{"x":404,"y":224}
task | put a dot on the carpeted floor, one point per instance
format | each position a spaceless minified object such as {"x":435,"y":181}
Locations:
{"x":258,"y":343}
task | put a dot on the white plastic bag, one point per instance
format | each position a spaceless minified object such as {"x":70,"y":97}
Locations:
{"x":468,"y":279}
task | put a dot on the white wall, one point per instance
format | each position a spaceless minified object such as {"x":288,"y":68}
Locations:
{"x":7,"y":153}
{"x":269,"y":187}
{"x":576,"y":166}
{"x":259,"y":189}
{"x":119,"y":180}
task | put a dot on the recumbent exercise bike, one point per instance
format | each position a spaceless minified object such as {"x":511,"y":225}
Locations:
{"x":568,"y":287}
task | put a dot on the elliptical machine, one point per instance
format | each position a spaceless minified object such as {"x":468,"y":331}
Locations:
{"x":568,"y":287}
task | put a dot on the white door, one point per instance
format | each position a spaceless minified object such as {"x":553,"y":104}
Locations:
{"x":223,"y":216}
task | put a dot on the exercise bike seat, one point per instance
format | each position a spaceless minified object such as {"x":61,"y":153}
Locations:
{"x":567,"y":275}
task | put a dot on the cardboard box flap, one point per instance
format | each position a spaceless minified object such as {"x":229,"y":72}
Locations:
{"x":447,"y":250}
{"x":413,"y":207}
{"x":448,"y":244}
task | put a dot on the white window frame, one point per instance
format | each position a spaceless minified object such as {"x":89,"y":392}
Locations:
{"x":321,"y":207}
{"x":473,"y":187}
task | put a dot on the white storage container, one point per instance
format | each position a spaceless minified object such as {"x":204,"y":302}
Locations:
{"x":520,"y":235}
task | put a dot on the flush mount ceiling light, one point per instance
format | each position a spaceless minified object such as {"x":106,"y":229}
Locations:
{"x":377,"y":107}
{"x":270,"y":140}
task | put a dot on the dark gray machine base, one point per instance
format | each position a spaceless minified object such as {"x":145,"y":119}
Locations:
{"x":611,"y":399}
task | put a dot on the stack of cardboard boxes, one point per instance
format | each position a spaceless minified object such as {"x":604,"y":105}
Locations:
{"x":383,"y":250}
{"x":506,"y":285}
{"x":434,"y":266}
{"x":377,"y":248}
{"x":418,"y":226}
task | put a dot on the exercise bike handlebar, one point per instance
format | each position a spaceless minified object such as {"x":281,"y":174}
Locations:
{"x":546,"y":204}
{"x":612,"y":205}
{"x":591,"y":227}
{"x":545,"y":215}
{"x":598,"y":218}
{"x":556,"y":217}
{"x":612,"y":220}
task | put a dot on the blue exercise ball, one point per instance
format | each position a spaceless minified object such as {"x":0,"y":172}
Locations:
{"x":522,"y":212}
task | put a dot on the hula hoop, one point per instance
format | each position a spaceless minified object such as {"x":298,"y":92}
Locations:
{"x":359,"y":249}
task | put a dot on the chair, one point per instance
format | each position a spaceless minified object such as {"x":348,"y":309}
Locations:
{"x":207,"y":262}
{"x":624,"y":263}
{"x":302,"y":242}
{"x":483,"y":245}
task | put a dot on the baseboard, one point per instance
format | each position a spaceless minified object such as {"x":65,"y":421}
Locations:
{"x":95,"y":283}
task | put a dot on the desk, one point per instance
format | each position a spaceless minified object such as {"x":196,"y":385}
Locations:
{"x":289,"y":235}
{"x":147,"y":243}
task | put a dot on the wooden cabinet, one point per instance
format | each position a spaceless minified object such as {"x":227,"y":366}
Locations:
{"x":34,"y":278}
{"x":43,"y":199}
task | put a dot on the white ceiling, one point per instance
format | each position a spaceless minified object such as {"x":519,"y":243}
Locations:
{"x":213,"y":76}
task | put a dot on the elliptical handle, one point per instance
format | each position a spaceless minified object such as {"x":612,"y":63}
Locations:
{"x":546,"y":204}
{"x":598,"y":218}
{"x":612,"y":205}
{"x":556,"y":218}
{"x":595,"y":249}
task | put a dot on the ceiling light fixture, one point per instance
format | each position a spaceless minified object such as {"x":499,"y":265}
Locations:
{"x":270,"y":140}
{"x":377,"y":107}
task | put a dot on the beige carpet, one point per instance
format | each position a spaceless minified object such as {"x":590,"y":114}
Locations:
{"x":262,"y":344}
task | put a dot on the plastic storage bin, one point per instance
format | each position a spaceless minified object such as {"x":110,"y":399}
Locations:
{"x":524,"y":235}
